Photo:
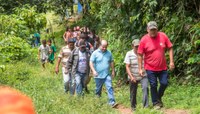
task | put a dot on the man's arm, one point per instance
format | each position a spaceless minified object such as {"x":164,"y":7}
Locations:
{"x":57,"y":65}
{"x":64,"y":36}
{"x":171,"y":57}
{"x":140,"y":59}
{"x":92,"y":68}
{"x":129,"y":73}
{"x":113,"y":68}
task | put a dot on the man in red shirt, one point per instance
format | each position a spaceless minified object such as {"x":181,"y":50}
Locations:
{"x":152,"y":47}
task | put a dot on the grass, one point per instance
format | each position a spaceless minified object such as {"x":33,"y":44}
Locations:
{"x":46,"y":90}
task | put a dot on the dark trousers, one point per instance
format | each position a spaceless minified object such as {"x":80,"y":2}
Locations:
{"x":133,"y":92}
{"x":156,"y":94}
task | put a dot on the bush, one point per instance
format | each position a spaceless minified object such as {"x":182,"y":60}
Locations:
{"x":13,"y":48}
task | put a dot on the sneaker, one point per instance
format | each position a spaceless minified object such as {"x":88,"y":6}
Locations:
{"x":157,"y":106}
{"x":114,"y":105}
{"x":160,"y":103}
{"x":133,"y":109}
{"x":86,"y":90}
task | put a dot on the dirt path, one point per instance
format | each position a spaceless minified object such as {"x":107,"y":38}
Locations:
{"x":124,"y":110}
{"x":176,"y":111}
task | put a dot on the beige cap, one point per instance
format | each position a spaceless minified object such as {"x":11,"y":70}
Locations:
{"x":136,"y":42}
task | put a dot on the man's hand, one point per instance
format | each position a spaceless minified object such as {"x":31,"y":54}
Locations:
{"x":171,"y":66}
{"x":95,"y":74}
{"x":133,"y":79}
{"x":141,"y":72}
{"x":113,"y":73}
{"x":56,"y":70}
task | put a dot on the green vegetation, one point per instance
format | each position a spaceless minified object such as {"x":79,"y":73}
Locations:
{"x":119,"y":20}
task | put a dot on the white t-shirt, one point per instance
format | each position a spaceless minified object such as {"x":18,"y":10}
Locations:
{"x":82,"y":63}
{"x":44,"y":52}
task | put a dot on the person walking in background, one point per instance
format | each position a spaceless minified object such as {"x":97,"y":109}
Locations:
{"x":43,"y":53}
{"x":68,"y":34}
{"x":131,"y":61}
{"x":100,"y":62}
{"x":88,"y":45}
{"x":152,"y":47}
{"x":63,"y":57}
{"x":78,"y":66}
{"x":37,"y":39}
{"x":97,"y":42}
{"x":52,"y":52}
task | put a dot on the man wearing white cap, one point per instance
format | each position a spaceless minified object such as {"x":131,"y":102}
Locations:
{"x":152,"y":47}
{"x":131,"y":61}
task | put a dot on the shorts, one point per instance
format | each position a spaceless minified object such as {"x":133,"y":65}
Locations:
{"x":43,"y":61}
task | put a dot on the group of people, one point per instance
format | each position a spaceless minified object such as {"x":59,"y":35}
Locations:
{"x":146,"y":62}
{"x":84,"y":52}
{"x":92,"y":40}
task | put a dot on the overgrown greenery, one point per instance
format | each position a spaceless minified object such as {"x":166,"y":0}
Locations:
{"x":15,"y":30}
{"x":119,"y":20}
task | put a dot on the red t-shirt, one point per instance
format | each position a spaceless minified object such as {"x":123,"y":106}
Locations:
{"x":154,"y":51}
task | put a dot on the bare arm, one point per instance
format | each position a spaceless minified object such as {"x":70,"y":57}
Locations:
{"x":92,"y":68}
{"x":129,"y":73}
{"x":171,"y":57}
{"x":113,"y":68}
{"x":140,"y":59}
{"x":65,"y":36}
{"x":57,"y":65}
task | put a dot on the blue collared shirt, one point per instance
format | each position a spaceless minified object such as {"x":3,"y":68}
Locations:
{"x":102,"y":61}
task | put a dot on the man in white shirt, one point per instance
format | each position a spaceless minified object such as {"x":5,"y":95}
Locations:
{"x":131,"y":61}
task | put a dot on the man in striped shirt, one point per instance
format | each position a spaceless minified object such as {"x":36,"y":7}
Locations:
{"x":131,"y":61}
{"x":63,"y":57}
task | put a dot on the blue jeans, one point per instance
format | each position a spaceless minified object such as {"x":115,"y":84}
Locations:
{"x":108,"y":83}
{"x":78,"y":83}
{"x":156,"y":94}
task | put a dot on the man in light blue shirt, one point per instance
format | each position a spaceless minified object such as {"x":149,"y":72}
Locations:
{"x":100,"y":62}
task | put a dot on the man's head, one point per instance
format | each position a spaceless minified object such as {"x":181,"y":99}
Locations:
{"x":70,"y":30}
{"x":77,"y":28}
{"x":152,"y":29}
{"x":74,"y":28}
{"x":70,"y":44}
{"x":82,"y":45}
{"x":135,"y":44}
{"x":67,"y":28}
{"x":104,"y":45}
{"x":49,"y":42}
{"x":83,"y":36}
{"x":44,"y":42}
